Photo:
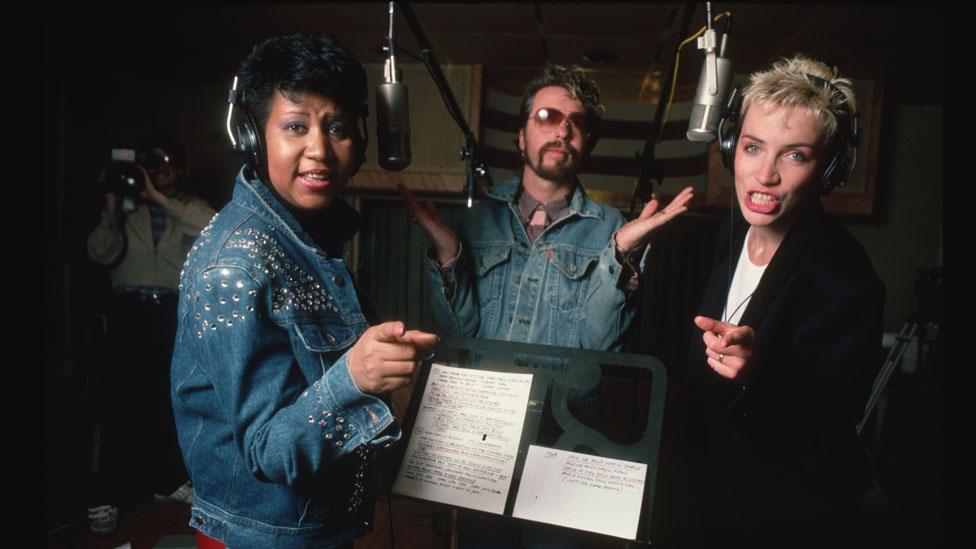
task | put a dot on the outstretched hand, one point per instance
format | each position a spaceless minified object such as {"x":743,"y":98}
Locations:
{"x":637,"y":232}
{"x":386,"y":356}
{"x":440,"y":235}
{"x":732,"y":351}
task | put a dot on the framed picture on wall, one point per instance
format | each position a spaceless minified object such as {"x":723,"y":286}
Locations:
{"x":436,"y":167}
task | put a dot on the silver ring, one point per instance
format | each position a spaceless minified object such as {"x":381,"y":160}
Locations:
{"x":721,"y":357}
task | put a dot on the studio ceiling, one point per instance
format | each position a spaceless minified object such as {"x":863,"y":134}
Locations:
{"x":899,"y":43}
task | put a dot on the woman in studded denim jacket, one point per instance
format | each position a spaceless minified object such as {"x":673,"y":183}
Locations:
{"x":277,"y":377}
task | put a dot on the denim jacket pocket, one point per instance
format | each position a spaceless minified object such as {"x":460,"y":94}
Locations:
{"x":487,"y":261}
{"x":320,"y":343}
{"x":487,"y":257}
{"x":324,"y":337}
{"x":573,"y":266}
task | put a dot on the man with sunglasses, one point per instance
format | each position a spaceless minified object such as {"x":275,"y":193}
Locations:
{"x":540,"y":261}
{"x":143,"y":250}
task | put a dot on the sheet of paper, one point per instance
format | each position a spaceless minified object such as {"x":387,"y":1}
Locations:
{"x":581,"y":491}
{"x":465,"y":438}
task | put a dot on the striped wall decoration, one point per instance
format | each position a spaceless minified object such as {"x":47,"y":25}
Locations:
{"x":610,"y":172}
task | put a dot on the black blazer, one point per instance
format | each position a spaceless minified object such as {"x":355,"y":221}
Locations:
{"x":780,"y":453}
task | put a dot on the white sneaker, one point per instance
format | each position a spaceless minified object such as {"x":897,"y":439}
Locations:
{"x":183,"y":494}
{"x":104,"y":519}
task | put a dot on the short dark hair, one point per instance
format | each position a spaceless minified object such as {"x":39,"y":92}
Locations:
{"x":297,"y":63}
{"x":580,"y":87}
{"x":169,"y":143}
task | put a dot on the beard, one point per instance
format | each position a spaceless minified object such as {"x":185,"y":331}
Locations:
{"x":560,"y":170}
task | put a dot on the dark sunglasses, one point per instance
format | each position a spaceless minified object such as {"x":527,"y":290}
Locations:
{"x":550,"y":118}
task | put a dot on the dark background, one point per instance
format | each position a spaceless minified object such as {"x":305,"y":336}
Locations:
{"x":113,"y":73}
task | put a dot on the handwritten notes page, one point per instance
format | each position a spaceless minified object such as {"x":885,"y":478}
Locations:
{"x":581,"y":491}
{"x":465,"y":439}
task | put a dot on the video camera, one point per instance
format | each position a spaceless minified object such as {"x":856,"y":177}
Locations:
{"x":123,"y":177}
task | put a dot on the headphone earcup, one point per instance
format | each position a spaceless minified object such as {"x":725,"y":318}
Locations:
{"x":728,"y":139}
{"x":726,"y":148}
{"x":828,"y":177}
{"x":252,"y":144}
{"x":362,"y":143}
{"x":836,"y":172}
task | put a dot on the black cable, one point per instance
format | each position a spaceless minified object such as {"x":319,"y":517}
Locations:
{"x":457,"y":116}
{"x":728,"y":289}
{"x":401,"y":49}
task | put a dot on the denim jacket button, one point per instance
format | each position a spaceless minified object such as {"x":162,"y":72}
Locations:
{"x":339,"y":281}
{"x":199,"y":520}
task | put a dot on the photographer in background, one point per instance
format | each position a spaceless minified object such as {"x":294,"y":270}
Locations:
{"x":147,"y":228}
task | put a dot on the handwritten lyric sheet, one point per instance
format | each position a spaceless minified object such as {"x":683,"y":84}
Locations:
{"x":465,"y":439}
{"x":581,"y":491}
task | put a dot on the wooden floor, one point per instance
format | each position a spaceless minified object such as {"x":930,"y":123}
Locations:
{"x":142,"y":528}
{"x":415,"y":525}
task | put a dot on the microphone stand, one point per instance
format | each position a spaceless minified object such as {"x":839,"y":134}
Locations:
{"x":471,"y":152}
{"x":645,"y":158}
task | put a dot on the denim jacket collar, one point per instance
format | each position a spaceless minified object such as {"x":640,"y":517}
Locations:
{"x":255,"y":192}
{"x":582,"y":204}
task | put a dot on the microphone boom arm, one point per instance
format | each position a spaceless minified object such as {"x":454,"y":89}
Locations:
{"x":471,"y":151}
{"x":645,"y":158}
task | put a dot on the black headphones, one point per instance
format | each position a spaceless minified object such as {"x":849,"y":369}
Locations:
{"x":843,"y":155}
{"x":250,"y":142}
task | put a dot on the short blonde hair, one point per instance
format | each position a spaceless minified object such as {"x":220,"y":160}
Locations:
{"x":804,"y":82}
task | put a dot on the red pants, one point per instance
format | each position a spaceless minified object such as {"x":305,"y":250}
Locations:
{"x":205,"y":542}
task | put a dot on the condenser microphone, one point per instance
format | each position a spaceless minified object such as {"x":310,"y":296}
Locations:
{"x":392,"y":112}
{"x":714,"y":84}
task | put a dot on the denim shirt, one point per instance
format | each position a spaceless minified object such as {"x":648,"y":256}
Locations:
{"x":564,"y":289}
{"x":277,"y":438}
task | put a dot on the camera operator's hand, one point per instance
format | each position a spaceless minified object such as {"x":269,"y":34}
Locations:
{"x":111,"y":201}
{"x":150,"y":193}
{"x":111,"y":204}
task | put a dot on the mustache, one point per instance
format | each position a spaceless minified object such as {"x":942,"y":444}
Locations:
{"x":560,"y":146}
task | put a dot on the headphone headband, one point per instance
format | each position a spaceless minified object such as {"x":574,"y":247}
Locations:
{"x":843,"y":153}
{"x":250,"y":142}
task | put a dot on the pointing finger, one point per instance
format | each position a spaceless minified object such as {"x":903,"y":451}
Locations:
{"x":390,"y":331}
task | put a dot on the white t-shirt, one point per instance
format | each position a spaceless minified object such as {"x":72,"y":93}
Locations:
{"x":744,"y":283}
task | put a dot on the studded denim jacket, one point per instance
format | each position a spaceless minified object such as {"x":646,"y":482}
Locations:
{"x":278,"y":440}
{"x":564,"y":289}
